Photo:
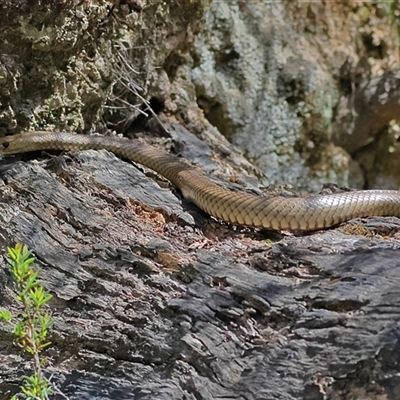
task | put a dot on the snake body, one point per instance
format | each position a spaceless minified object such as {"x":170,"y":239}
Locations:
{"x":278,"y":213}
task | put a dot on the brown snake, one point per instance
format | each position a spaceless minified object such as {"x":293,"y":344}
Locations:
{"x":279,"y":213}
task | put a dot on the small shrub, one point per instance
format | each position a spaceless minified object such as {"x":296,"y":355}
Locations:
{"x":30,"y":329}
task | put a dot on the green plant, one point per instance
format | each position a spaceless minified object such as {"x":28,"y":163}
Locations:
{"x":31,"y":328}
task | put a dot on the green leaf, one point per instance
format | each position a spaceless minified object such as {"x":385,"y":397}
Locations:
{"x":5,"y":315}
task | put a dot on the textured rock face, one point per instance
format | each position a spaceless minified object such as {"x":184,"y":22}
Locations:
{"x":148,"y":307}
{"x":280,"y":80}
{"x":62,"y":62}
{"x":288,"y":83}
{"x":55,"y":64}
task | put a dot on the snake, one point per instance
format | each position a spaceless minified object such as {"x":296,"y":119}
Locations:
{"x":303,"y":213}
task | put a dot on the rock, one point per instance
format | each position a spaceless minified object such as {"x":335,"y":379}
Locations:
{"x":149,"y":307}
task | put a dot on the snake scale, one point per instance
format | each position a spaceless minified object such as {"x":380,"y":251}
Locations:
{"x":278,"y":213}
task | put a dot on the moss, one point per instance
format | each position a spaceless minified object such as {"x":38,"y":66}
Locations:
{"x":61,"y":59}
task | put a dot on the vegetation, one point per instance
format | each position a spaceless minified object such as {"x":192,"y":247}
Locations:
{"x":30,"y":329}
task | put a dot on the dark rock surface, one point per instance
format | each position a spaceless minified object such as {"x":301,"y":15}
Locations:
{"x":150,"y":305}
